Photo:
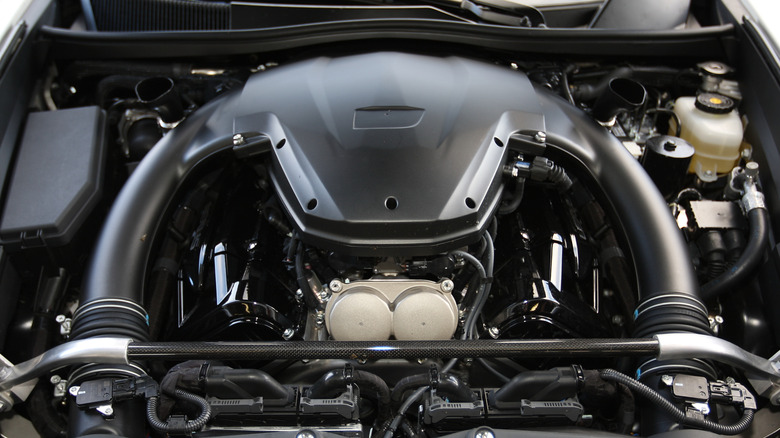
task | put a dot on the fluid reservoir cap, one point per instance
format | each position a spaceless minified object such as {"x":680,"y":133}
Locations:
{"x":714,"y":103}
{"x":670,"y":146}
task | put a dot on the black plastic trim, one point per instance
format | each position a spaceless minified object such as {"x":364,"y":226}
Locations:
{"x":706,"y":43}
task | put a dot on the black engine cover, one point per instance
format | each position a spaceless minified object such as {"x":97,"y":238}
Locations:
{"x":390,"y":153}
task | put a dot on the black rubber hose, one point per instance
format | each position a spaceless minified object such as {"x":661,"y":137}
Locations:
{"x":497,"y":374}
{"x":190,"y":425}
{"x":406,"y":426}
{"x":517,"y":198}
{"x":303,"y":282}
{"x":649,"y":394}
{"x":334,"y":383}
{"x":408,"y":383}
{"x":735,"y":276}
{"x":448,"y":384}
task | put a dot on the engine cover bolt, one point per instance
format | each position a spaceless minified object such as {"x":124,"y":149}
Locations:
{"x":288,"y":334}
{"x":447,"y":286}
{"x":484,"y":433}
{"x":494,"y":332}
{"x":324,"y":295}
{"x":335,"y":286}
{"x":238,"y":140}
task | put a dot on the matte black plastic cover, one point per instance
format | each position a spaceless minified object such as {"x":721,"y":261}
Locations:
{"x":57,"y":178}
{"x":390,"y":152}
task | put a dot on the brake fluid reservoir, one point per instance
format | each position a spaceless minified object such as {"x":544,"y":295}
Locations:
{"x":710,"y":123}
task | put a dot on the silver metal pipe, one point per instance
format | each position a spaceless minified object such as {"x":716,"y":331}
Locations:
{"x":99,"y":350}
{"x":556,"y":260}
{"x":763,"y":374}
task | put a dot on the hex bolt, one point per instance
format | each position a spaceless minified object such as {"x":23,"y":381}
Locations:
{"x":238,"y":140}
{"x":320,"y":320}
{"x":60,"y":319}
{"x":55,"y":379}
{"x":751,"y":170}
{"x":324,"y":295}
{"x":540,"y":137}
{"x":335,"y":286}
{"x":494,"y":332}
{"x":447,"y":285}
{"x":288,"y":334}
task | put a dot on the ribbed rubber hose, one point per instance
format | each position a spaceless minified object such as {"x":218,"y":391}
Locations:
{"x":190,"y":425}
{"x":758,"y":219}
{"x":649,"y":394}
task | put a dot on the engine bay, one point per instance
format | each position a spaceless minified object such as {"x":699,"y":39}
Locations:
{"x":387,"y":243}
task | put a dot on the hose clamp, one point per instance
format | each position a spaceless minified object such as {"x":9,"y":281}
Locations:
{"x":752,"y":198}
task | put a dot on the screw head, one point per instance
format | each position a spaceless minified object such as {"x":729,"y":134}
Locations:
{"x":484,"y":433}
{"x":305,"y":434}
{"x":494,"y":332}
{"x":320,"y":320}
{"x":60,"y":319}
{"x":55,"y":379}
{"x":238,"y":140}
{"x":335,"y":286}
{"x":74,"y":390}
{"x":667,"y":380}
{"x":324,"y":295}
{"x":540,"y":137}
{"x":288,"y":334}
{"x":447,"y":285}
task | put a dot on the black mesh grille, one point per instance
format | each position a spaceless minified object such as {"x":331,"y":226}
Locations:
{"x":160,"y":15}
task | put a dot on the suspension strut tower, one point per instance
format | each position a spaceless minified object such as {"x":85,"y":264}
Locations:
{"x":112,"y":296}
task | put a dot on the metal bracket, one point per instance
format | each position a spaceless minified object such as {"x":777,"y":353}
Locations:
{"x":763,"y":374}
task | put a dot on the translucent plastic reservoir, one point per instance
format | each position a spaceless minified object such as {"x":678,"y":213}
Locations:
{"x":714,"y":129}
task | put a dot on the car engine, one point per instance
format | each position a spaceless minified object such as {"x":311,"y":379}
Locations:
{"x":386,"y":243}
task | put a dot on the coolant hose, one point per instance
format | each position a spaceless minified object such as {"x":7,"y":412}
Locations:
{"x":448,"y":384}
{"x":335,"y":382}
{"x":734,"y":277}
